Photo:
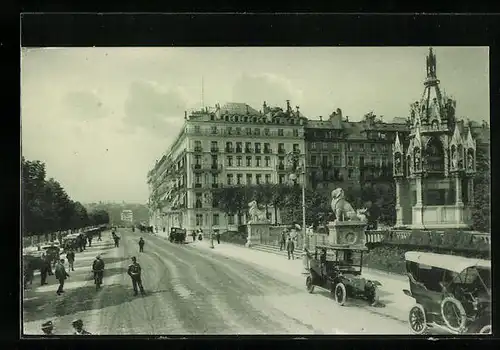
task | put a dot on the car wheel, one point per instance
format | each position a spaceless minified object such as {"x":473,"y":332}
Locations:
{"x":373,"y":297}
{"x":453,"y":314}
{"x":309,"y":284}
{"x":340,"y":293}
{"x":417,"y":319}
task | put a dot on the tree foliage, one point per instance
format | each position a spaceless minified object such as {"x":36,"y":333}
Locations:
{"x":47,"y":207}
{"x":481,"y":209}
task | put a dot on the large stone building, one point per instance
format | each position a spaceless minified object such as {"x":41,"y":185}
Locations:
{"x":435,"y":170}
{"x":229,"y":145}
{"x":343,"y":153}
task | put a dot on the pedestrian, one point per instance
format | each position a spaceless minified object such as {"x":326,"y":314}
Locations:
{"x":283,"y":240}
{"x":78,"y":326}
{"x":84,"y":242}
{"x":70,"y":255}
{"x":61,"y":276}
{"x":45,"y":269}
{"x":290,"y":245}
{"x":134,"y":271}
{"x":99,"y":233}
{"x":200,"y":234}
{"x":48,"y":328}
{"x":117,"y":241}
{"x":217,"y":236}
{"x":194,"y":235}
{"x":141,"y":245}
{"x":90,"y":240}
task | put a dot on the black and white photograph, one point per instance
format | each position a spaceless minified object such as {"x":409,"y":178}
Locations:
{"x":255,"y":190}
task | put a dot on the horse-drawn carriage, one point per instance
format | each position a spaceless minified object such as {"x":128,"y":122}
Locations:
{"x":338,"y":269}
{"x":452,"y":293}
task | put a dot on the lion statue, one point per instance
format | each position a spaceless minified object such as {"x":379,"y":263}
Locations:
{"x":343,"y":209}
{"x":256,"y":215}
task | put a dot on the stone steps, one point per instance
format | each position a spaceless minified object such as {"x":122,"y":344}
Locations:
{"x":276,"y":250}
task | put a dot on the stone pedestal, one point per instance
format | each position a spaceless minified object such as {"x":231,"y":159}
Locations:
{"x":255,"y":231}
{"x":347,"y":232}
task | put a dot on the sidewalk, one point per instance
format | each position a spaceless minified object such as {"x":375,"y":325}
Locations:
{"x":395,"y":303}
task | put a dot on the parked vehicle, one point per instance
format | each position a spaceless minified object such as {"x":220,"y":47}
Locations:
{"x":52,"y":251}
{"x":451,"y":292}
{"x":338,"y":268}
{"x":177,"y":235}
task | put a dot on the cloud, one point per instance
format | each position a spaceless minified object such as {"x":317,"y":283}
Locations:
{"x":257,"y":88}
{"x":84,"y":105}
{"x":150,"y":107}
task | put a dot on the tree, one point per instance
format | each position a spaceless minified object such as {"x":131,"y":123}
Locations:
{"x":231,"y":200}
{"x":33,"y":182}
{"x":481,"y":209}
{"x":79,"y":216}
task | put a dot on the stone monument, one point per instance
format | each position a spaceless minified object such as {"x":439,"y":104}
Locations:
{"x":349,"y":225}
{"x":257,"y":226}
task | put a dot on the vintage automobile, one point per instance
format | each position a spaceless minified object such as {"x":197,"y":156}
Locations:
{"x":338,"y":268}
{"x":52,"y":251}
{"x":69,"y":242}
{"x":452,"y":293}
{"x":177,"y":235}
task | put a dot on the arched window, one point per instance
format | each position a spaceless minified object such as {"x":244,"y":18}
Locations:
{"x":434,"y":156}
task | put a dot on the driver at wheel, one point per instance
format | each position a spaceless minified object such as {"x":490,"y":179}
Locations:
{"x":98,"y":268}
{"x":322,"y":261}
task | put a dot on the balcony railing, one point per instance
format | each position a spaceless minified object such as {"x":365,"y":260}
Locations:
{"x":258,"y":150}
{"x":196,"y":166}
{"x":229,"y":150}
{"x":268,"y":151}
{"x":281,"y":151}
{"x":198,"y":149}
{"x":248,"y":150}
{"x":239,"y":150}
{"x":214,"y":150}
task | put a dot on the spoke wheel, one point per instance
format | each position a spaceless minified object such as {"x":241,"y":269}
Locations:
{"x":309,"y":284}
{"x":374,"y":297}
{"x":453,"y":314}
{"x":417,"y":319}
{"x":340,"y":293}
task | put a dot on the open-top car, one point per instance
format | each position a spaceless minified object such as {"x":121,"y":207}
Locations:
{"x":177,"y":235}
{"x":338,"y":268}
{"x":452,"y":293}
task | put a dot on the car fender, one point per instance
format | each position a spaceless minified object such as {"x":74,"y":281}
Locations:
{"x":376,"y":283}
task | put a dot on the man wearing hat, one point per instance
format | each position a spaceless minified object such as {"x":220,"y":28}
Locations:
{"x":78,"y":326}
{"x":141,"y":245}
{"x":98,"y":268}
{"x":47,"y":328}
{"x":134,"y":271}
{"x":61,"y":276}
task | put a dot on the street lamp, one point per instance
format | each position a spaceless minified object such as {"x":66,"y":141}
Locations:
{"x":298,"y":168}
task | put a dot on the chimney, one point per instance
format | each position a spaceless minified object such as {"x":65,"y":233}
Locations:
{"x":320,"y":118}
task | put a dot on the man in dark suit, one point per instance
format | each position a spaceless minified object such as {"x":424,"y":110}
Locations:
{"x":61,"y":276}
{"x":134,"y":271}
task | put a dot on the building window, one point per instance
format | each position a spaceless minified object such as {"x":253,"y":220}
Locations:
{"x":324,"y":161}
{"x":296,"y":148}
{"x":267,"y":148}
{"x":229,"y":161}
{"x":295,"y":133}
{"x":361,"y":161}
{"x":239,"y":147}
{"x":215,"y":220}
{"x":256,"y":131}
{"x":238,"y":161}
{"x":229,"y":130}
{"x":197,"y":160}
{"x":199,"y":202}
{"x":384,"y":161}
{"x":197,"y":179}
{"x":249,"y":179}
{"x":350,"y":161}
{"x":266,"y":132}
{"x":213,"y":146}
{"x":336,"y":146}
{"x":336,"y":160}
{"x":258,"y":179}
{"x":281,"y":148}
{"x":229,"y":179}
{"x":230,"y":219}
{"x":280,"y":132}
{"x":325,"y":146}
{"x":197,"y":129}
{"x":215,"y":161}
{"x":257,"y":147}
{"x":238,"y":131}
{"x":329,"y":134}
{"x":257,"y":161}
{"x":350,"y":173}
{"x":199,"y":219}
{"x":313,"y":160}
{"x":267,"y":161}
{"x":313,"y":145}
{"x":215,"y":179}
{"x":238,"y":179}
{"x":197,"y":146}
{"x":362,"y":147}
{"x":384,"y":147}
{"x":248,"y":131}
{"x":268,"y":178}
{"x":372,"y":147}
{"x":249,"y":161}
{"x":213,"y":130}
{"x":248,"y":147}
{"x":349,"y":147}
{"x":281,"y":179}
{"x":281,"y":163}
{"x":373,"y":160}
{"x":229,"y":147}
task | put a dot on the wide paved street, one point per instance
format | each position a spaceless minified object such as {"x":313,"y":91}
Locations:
{"x":190,"y":290}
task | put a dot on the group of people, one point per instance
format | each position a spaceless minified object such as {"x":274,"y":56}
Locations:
{"x":199,"y":234}
{"x":48,"y":328}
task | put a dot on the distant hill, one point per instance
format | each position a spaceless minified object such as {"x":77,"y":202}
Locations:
{"x":140,"y":211}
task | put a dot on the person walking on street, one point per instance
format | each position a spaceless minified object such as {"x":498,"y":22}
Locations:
{"x":45,"y":269}
{"x":134,"y":271}
{"x":290,"y":245}
{"x":89,"y":237}
{"x":217,"y":236}
{"x":70,"y":256}
{"x":99,"y":233}
{"x":98,"y":269}
{"x":194,"y":235}
{"x":141,"y":245}
{"x":84,"y":240}
{"x":78,"y":326}
{"x":61,"y":276}
{"x":283,"y":240}
{"x":48,"y":328}
{"x":117,"y":241}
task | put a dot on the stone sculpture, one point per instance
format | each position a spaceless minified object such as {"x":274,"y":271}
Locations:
{"x":470,"y":162}
{"x":256,"y":215}
{"x":343,"y":209}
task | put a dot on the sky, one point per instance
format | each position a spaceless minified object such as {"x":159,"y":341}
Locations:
{"x":100,"y":117}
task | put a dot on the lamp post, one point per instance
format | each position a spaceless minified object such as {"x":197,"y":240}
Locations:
{"x":298,"y":168}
